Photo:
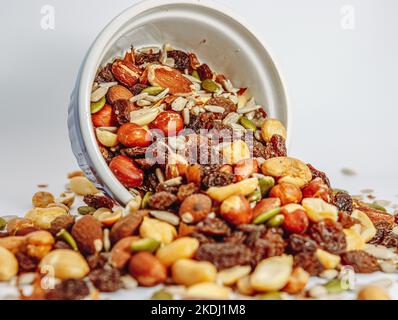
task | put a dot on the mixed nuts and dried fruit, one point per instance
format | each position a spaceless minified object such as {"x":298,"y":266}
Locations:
{"x":218,"y":209}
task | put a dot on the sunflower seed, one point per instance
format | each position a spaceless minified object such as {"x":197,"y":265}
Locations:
{"x":233,"y":98}
{"x":108,"y":84}
{"x":110,"y":129}
{"x":192,"y":79}
{"x":227,"y":84}
{"x":250,"y":115}
{"x":139,"y":96}
{"x":143,"y":103}
{"x":170,"y":62}
{"x":173,"y":182}
{"x":149,"y":49}
{"x":143,"y":116}
{"x":237,"y":127}
{"x":179,"y":104}
{"x":159,"y":175}
{"x":248,"y":109}
{"x":214,"y":109}
{"x":348,"y":172}
{"x":186,"y":116}
{"x":107,"y":242}
{"x":165,"y":216}
{"x":98,"y":94}
{"x":257,"y":135}
{"x":380,"y":252}
{"x":129,"y":282}
{"x":232,"y":117}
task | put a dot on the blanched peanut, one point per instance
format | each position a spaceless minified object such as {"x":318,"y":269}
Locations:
{"x":297,"y":281}
{"x":8,"y":264}
{"x":243,"y":188}
{"x":64,"y":264}
{"x":42,"y":217}
{"x":270,"y":127}
{"x":236,"y":152}
{"x":367,"y":229}
{"x":208,"y":290}
{"x":272,"y":274}
{"x":318,"y":209}
{"x":353,"y":239}
{"x":181,"y":248}
{"x":189,"y":272}
{"x":228,"y":277}
{"x":372,"y":292}
{"x":288,"y":170}
{"x":327,"y":259}
{"x":82,"y":186}
{"x":158,"y":230}
{"x":106,"y":138}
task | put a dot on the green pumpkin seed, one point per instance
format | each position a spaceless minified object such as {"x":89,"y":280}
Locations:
{"x":97,"y":106}
{"x":146,"y":244}
{"x":266,"y":215}
{"x":274,"y":295}
{"x":67,"y":237}
{"x":3,"y":223}
{"x":83,"y":210}
{"x":162,"y":295}
{"x":254,"y":196}
{"x":195,"y":74}
{"x":334,"y":286}
{"x":145,"y":200}
{"x":376,"y":206}
{"x":153,"y":91}
{"x":247,"y":124}
{"x":276,"y":221}
{"x":266,"y":184}
{"x":209,"y":85}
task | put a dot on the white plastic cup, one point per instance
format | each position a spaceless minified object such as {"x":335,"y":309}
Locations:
{"x":218,"y":36}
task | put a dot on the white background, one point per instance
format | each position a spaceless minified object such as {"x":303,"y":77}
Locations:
{"x":342,"y":86}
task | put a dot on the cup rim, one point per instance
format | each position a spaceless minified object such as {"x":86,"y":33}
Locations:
{"x":88,"y":72}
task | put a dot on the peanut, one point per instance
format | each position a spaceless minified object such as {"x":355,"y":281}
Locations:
{"x":272,"y":274}
{"x":158,"y":230}
{"x":121,"y":252}
{"x":208,"y":290}
{"x":189,"y":272}
{"x":318,"y":209}
{"x":147,"y":269}
{"x":297,"y":281}
{"x":42,"y":217}
{"x":229,"y":277}
{"x":271,"y":127}
{"x":328,"y":260}
{"x":82,"y":186}
{"x":39,"y":243}
{"x":8,"y":264}
{"x":181,"y":248}
{"x":288,"y":170}
{"x":372,"y":292}
{"x":64,"y":264}
{"x":236,"y":152}
{"x":243,"y":188}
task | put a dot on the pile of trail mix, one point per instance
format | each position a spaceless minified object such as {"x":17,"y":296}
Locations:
{"x":218,"y":210}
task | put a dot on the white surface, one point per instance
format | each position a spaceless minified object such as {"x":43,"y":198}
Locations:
{"x":341,"y":85}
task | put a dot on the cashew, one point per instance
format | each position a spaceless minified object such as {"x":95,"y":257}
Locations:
{"x":181,"y":248}
{"x":288,"y":170}
{"x":368,"y":230}
{"x":8,"y":264}
{"x":42,"y":217}
{"x":243,"y":188}
{"x":158,"y":230}
{"x":81,"y":185}
{"x":318,"y":209}
{"x":208,"y":290}
{"x":328,"y":260}
{"x":235,"y":152}
{"x":189,"y":272}
{"x":230,"y":276}
{"x":106,"y":138}
{"x":271,"y":127}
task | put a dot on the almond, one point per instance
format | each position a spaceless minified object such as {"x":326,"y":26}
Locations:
{"x":87,"y":232}
{"x":127,"y":225}
{"x":126,"y":72}
{"x":118,"y":92}
{"x":166,"y":77}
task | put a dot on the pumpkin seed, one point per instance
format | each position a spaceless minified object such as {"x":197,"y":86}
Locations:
{"x":247,"y":124}
{"x":3,"y":223}
{"x":145,"y":200}
{"x":266,"y":215}
{"x":266,"y":183}
{"x":254,"y":196}
{"x":67,"y":237}
{"x":162,"y":295}
{"x":97,"y":106}
{"x":276,"y":221}
{"x":153,"y":91}
{"x":210,"y":85}
{"x":195,"y":74}
{"x":334,"y":286}
{"x":83,"y":210}
{"x":146,"y":244}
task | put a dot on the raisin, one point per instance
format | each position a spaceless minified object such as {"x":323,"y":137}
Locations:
{"x":106,"y":280}
{"x":319,"y":174}
{"x":107,"y":154}
{"x":346,"y":220}
{"x":62,"y":222}
{"x":98,"y":201}
{"x":96,"y":261}
{"x":202,"y":238}
{"x":208,"y":120}
{"x":186,"y":190}
{"x":227,"y":104}
{"x":105,"y":74}
{"x":236,"y":237}
{"x":390,"y":240}
{"x":150,"y":183}
{"x":69,"y":289}
{"x":213,"y":177}
{"x":343,"y":202}
{"x":361,"y":261}
{"x":126,"y":226}
{"x":224,"y":255}
{"x":213,"y":227}
{"x":309,"y":262}
{"x":146,"y":57}
{"x":278,"y":145}
{"x":329,"y":236}
{"x":383,"y":228}
{"x":204,"y":72}
{"x":134,"y":152}
{"x":251,"y":228}
{"x":162,"y":200}
{"x":137,"y":88}
{"x":300,"y":243}
{"x":122,"y":109}
{"x":26,"y":263}
{"x":270,"y":244}
{"x":145,"y":163}
{"x":181,"y":59}
{"x":164,"y":187}
{"x":59,"y":244}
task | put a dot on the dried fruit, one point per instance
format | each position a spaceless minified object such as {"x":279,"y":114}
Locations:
{"x":182,"y":248}
{"x":236,"y":210}
{"x":42,"y":199}
{"x":87,"y":233}
{"x":343,"y":202}
{"x":69,"y":289}
{"x":288,"y":170}
{"x":189,"y":272}
{"x":354,"y":240}
{"x":106,"y":280}
{"x":118,"y":92}
{"x":181,"y":59}
{"x":195,"y":208}
{"x":126,"y":171}
{"x":147,"y":269}
{"x":318,"y":189}
{"x":287,"y":193}
{"x":8,"y":264}
{"x":162,"y":200}
{"x":204,"y":72}
{"x":309,"y":262}
{"x":329,"y":236}
{"x":361,"y":261}
{"x":271,"y":127}
{"x":166,"y":77}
